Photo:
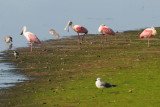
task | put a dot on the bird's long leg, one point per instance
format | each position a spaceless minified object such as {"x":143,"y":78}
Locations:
{"x":115,"y":38}
{"x":105,"y":38}
{"x":83,"y":37}
{"x":31,"y":46}
{"x":148,"y":41}
{"x":78,"y":39}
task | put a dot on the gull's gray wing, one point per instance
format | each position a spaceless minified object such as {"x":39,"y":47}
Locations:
{"x":107,"y":85}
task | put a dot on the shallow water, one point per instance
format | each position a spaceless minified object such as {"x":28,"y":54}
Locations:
{"x":42,"y":15}
{"x":8,"y":77}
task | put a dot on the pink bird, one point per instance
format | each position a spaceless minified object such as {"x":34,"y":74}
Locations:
{"x":106,"y":30}
{"x":148,"y":33}
{"x":78,"y":29}
{"x":32,"y":38}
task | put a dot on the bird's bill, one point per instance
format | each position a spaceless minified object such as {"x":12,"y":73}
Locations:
{"x":21,"y":33}
{"x":67,"y":27}
{"x":69,"y":24}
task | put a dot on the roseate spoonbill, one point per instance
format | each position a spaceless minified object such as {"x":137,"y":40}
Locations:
{"x":16,"y":54}
{"x":53,"y":32}
{"x":78,"y":29}
{"x":105,"y":31}
{"x":32,"y":38}
{"x":8,"y":39}
{"x":148,"y":33}
{"x":101,"y":84}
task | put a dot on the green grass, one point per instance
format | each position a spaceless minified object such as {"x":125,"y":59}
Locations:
{"x":65,"y":73}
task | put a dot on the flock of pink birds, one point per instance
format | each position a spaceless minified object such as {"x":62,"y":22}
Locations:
{"x":103,"y":29}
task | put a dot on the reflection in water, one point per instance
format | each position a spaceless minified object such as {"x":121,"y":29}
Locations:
{"x":8,"y":76}
{"x":10,"y":46}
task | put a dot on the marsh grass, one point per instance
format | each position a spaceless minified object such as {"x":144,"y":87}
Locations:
{"x":64,"y":72}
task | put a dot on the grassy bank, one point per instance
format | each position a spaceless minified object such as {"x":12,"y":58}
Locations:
{"x":64,"y":72}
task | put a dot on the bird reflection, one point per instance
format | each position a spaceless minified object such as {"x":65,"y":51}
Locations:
{"x":10,"y":46}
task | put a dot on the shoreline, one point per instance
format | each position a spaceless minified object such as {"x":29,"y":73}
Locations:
{"x":58,"y":64}
{"x":6,"y":55}
{"x":9,"y":76}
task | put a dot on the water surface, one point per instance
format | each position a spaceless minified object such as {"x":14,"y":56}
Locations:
{"x":8,"y":77}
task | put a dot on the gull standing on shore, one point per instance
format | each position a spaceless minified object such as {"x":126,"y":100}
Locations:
{"x":101,"y":84}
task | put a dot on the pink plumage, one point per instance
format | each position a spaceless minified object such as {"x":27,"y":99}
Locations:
{"x":78,"y":29}
{"x":106,"y":30}
{"x":32,"y":38}
{"x":148,"y":33}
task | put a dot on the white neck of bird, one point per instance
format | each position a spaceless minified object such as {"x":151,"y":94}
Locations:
{"x":24,"y":29}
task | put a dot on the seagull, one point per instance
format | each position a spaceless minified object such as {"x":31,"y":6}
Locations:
{"x":16,"y":54}
{"x":101,"y":84}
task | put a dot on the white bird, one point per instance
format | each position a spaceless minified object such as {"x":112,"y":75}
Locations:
{"x":101,"y":84}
